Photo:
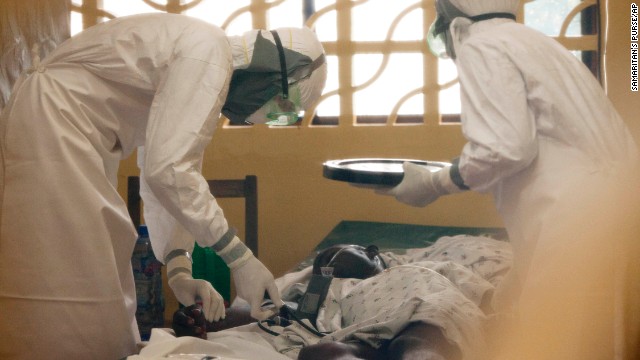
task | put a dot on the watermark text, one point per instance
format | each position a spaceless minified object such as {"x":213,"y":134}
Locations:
{"x":633,"y":32}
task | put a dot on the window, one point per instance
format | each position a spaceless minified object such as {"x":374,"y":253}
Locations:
{"x":572,"y":22}
{"x":380,"y":68}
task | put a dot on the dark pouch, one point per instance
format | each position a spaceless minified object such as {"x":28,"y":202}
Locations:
{"x":310,"y":303}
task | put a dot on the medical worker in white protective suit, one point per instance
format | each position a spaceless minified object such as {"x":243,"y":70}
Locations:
{"x":542,"y":136}
{"x":158,"y":81}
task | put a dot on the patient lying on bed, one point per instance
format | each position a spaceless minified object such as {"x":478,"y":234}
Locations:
{"x":429,"y":303}
{"x":418,"y":340}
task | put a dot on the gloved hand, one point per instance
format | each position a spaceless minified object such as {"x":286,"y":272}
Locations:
{"x":250,"y":276}
{"x":187,"y":289}
{"x":420,"y":187}
{"x":252,"y":279}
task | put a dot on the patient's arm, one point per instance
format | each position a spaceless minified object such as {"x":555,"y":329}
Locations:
{"x":422,"y":341}
{"x":190,"y":321}
{"x":235,"y":316}
{"x":418,"y":341}
{"x":335,"y":350}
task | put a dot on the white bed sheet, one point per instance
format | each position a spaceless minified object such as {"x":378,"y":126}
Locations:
{"x":246,"y":342}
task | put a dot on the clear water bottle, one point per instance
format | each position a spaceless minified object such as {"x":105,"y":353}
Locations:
{"x":147,"y":273}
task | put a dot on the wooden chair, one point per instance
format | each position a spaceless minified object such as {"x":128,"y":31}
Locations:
{"x":207,"y":264}
{"x":246,"y":188}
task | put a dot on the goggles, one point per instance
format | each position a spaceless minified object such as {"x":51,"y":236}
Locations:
{"x":286,"y":112}
{"x":438,"y":37}
{"x":286,"y":108}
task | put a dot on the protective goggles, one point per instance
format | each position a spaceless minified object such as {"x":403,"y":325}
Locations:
{"x":285,"y":109}
{"x":286,"y":112}
{"x":438,"y":37}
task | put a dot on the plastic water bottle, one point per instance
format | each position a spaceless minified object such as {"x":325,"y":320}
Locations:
{"x":148,"y":279}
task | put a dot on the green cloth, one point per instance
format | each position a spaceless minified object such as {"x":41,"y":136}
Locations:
{"x":207,"y":265}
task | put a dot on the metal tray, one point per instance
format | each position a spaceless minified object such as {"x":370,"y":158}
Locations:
{"x":375,"y":171}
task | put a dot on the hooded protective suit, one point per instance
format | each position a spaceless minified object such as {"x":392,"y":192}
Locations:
{"x":158,"y":81}
{"x":542,"y":138}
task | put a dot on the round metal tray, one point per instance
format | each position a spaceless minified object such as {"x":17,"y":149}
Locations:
{"x":375,"y":171}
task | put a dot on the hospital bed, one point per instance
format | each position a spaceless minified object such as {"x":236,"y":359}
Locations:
{"x":249,"y":341}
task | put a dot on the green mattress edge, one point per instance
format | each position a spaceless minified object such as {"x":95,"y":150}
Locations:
{"x":399,"y":236}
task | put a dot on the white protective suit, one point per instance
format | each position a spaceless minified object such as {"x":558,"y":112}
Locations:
{"x":66,"y":285}
{"x":544,"y":139}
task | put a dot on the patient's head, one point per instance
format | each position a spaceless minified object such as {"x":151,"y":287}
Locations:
{"x":349,"y":261}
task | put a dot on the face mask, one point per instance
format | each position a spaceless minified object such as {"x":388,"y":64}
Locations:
{"x":279,"y":111}
{"x":437,"y":38}
{"x":251,"y":88}
{"x":285,"y":111}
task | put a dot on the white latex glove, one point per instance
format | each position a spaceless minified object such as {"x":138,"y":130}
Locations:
{"x":250,"y":276}
{"x":420,"y":187}
{"x":252,"y":279}
{"x":187,"y":289}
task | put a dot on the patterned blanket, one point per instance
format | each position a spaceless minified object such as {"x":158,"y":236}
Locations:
{"x":448,"y":284}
